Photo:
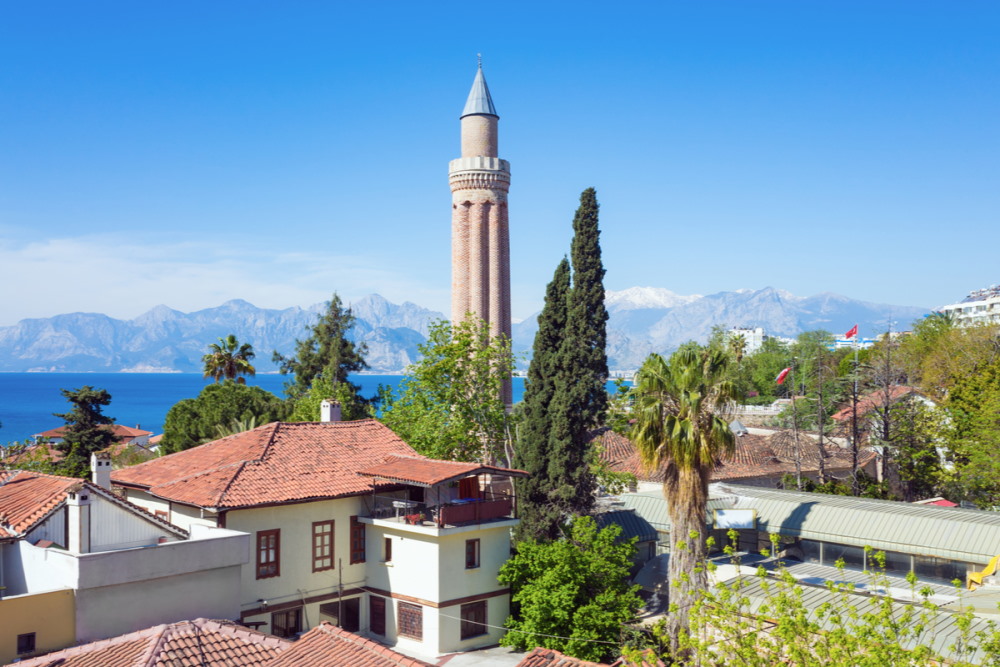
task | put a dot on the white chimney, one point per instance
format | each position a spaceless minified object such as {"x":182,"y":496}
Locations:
{"x":100,"y":469}
{"x":329,"y":410}
{"x":78,"y":520}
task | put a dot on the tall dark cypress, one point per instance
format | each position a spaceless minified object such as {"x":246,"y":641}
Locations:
{"x":540,"y":518}
{"x":588,"y":318}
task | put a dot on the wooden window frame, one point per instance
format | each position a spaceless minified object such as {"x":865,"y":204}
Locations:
{"x":471,"y":625}
{"x":387,"y":550}
{"x":472,"y":554}
{"x":409,"y":620}
{"x":318,"y":533}
{"x":262,"y":548}
{"x":358,"y":538}
{"x":376,"y":615}
{"x":289,"y":629}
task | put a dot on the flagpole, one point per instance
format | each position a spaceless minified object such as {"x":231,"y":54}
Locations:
{"x":855,"y":487}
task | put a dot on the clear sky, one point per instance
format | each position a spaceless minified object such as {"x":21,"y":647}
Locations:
{"x":187,"y":153}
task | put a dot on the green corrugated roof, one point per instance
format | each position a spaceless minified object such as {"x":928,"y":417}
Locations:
{"x":926,"y":530}
{"x":632,"y":525}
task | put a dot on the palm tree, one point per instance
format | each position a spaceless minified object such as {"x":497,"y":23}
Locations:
{"x":228,"y":359}
{"x":681,"y":426}
{"x":738,"y":346}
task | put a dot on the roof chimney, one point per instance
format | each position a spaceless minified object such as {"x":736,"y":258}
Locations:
{"x":329,"y":410}
{"x":100,"y":469}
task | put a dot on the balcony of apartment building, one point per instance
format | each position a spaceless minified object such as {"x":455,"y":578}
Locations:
{"x":437,"y":497}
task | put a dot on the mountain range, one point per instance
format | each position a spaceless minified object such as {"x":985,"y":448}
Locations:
{"x":642,"y":320}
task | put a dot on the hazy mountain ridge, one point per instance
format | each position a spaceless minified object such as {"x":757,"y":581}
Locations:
{"x":164,"y":339}
{"x":642,"y":320}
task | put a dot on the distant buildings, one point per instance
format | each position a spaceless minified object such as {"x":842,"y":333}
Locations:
{"x":981,"y":306}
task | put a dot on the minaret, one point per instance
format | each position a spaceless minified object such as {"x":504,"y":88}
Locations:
{"x":480,"y":241}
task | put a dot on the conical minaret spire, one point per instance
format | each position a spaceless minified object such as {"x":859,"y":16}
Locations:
{"x":480,"y":240}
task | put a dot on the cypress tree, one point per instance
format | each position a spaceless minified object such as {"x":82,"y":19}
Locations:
{"x":539,"y":517}
{"x":588,"y":318}
{"x":566,"y":395}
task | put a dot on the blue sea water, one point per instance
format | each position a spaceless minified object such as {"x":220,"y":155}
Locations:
{"x":28,"y":400}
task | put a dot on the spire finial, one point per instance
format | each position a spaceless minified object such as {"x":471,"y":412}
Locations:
{"x":480,"y":57}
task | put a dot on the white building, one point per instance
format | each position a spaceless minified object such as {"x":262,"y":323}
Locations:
{"x":979,"y":307}
{"x":78,"y":563}
{"x":349,"y":525}
{"x":754,"y":337}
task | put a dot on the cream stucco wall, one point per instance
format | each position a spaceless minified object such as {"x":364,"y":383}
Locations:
{"x":49,"y":615}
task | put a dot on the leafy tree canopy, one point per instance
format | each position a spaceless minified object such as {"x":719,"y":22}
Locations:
{"x":86,"y":429}
{"x":328,"y":352}
{"x":573,"y":588}
{"x":194,"y":421}
{"x":450,"y":404}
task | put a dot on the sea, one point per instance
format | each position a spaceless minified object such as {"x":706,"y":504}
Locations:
{"x":28,"y":401}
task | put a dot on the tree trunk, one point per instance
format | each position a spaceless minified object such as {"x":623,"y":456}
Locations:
{"x":686,"y":491}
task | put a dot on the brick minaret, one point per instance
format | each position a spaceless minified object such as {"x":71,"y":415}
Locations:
{"x":480,"y":245}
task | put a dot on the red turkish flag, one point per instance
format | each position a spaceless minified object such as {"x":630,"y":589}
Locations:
{"x":782,"y":375}
{"x":853,"y":332}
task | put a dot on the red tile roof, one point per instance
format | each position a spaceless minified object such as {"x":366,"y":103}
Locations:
{"x":755,"y":456}
{"x":875,"y":399}
{"x":202,"y":643}
{"x":26,"y":498}
{"x":120,"y":432}
{"x":276,"y":463}
{"x":547,"y":657}
{"x":327,"y":645}
{"x":428,"y":472}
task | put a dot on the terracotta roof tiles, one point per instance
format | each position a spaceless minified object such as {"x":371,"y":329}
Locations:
{"x":875,"y":399}
{"x":547,"y":657}
{"x":28,"y":497}
{"x":201,"y":643}
{"x":275,"y":463}
{"x":428,"y":472}
{"x":326,"y":645}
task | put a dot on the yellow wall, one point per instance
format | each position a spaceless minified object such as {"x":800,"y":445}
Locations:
{"x":49,"y":615}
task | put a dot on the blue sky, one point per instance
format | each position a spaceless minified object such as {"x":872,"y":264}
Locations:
{"x":187,"y":153}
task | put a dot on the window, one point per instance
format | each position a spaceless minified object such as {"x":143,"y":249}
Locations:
{"x":411,"y":620}
{"x":471,"y":554}
{"x":286,"y":623}
{"x":357,"y":541}
{"x":376,"y":608}
{"x":268,"y":553}
{"x":387,"y":550}
{"x":322,"y":546}
{"x":26,"y":643}
{"x":473,"y":619}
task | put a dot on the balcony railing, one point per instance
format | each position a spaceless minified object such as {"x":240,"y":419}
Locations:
{"x":460,"y":512}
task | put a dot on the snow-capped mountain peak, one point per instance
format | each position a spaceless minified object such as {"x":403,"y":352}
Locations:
{"x":646,"y":297}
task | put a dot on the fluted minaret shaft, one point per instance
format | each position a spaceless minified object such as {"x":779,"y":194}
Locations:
{"x":480,"y":239}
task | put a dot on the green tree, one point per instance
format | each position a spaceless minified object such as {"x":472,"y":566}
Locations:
{"x":87,"y":429}
{"x":229,"y":360}
{"x":571,"y":594}
{"x":194,"y":421}
{"x":450,"y":403}
{"x":326,"y":353}
{"x":540,"y":519}
{"x":586,"y":322}
{"x":681,"y":425}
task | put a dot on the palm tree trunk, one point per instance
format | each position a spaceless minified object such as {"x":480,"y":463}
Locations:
{"x":686,"y":492}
